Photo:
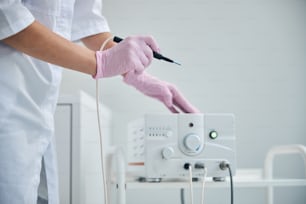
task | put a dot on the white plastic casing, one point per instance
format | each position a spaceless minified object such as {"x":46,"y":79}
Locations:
{"x":173,"y":140}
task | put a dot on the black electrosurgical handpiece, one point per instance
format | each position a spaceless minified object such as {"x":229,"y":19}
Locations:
{"x":155,"y":54}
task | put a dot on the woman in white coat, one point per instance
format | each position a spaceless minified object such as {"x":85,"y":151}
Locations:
{"x":35,"y":43}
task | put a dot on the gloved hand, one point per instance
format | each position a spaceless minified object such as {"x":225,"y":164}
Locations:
{"x":163,"y":91}
{"x":133,"y":53}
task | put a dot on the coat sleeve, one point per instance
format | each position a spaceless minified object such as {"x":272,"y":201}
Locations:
{"x":88,"y":19}
{"x":14,"y":17}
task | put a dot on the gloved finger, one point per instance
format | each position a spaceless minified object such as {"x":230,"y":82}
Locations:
{"x":145,"y":56}
{"x":139,"y":67}
{"x":150,"y":41}
{"x":173,"y":109}
{"x":170,"y":106}
{"x":168,"y":101}
{"x":147,"y":51}
{"x":181,"y":102}
{"x":166,"y":98}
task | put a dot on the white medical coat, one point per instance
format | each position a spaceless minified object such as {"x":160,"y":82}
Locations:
{"x":29,"y":91}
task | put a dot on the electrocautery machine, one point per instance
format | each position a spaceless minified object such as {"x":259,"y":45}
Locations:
{"x":168,"y":144}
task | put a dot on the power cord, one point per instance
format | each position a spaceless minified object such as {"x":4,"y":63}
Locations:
{"x":202,"y":166}
{"x":203,"y":184}
{"x":100,"y":132}
{"x":223,"y":166}
{"x":189,"y":167}
{"x":190,"y":182}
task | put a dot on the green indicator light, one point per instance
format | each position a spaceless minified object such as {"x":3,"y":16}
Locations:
{"x":213,"y":134}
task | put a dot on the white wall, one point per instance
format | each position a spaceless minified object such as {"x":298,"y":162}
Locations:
{"x":245,"y":57}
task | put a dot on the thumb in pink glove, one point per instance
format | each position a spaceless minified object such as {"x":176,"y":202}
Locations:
{"x":161,"y":90}
{"x":133,"y":53}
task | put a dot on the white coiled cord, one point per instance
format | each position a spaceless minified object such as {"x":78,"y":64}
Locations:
{"x":100,"y":131}
{"x":190,"y":182}
{"x":203,"y":185}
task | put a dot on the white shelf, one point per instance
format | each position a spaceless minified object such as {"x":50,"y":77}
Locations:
{"x":245,"y":178}
{"x":237,"y":184}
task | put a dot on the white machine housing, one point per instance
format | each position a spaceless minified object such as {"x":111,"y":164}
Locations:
{"x":168,"y":142}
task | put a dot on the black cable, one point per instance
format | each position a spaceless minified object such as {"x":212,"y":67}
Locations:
{"x":231,"y":181}
{"x":224,"y":165}
{"x":182,"y":191}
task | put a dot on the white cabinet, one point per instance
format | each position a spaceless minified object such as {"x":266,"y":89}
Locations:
{"x":78,"y":148}
{"x":63,"y":138}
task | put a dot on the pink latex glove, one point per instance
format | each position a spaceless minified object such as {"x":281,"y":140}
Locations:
{"x":161,"y":90}
{"x":133,"y":53}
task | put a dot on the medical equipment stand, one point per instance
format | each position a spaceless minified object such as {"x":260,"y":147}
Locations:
{"x":243,"y":178}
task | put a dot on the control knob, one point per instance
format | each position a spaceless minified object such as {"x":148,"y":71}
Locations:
{"x":192,"y":142}
{"x":167,"y":152}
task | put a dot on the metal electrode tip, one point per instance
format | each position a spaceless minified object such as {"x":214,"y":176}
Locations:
{"x":176,"y":63}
